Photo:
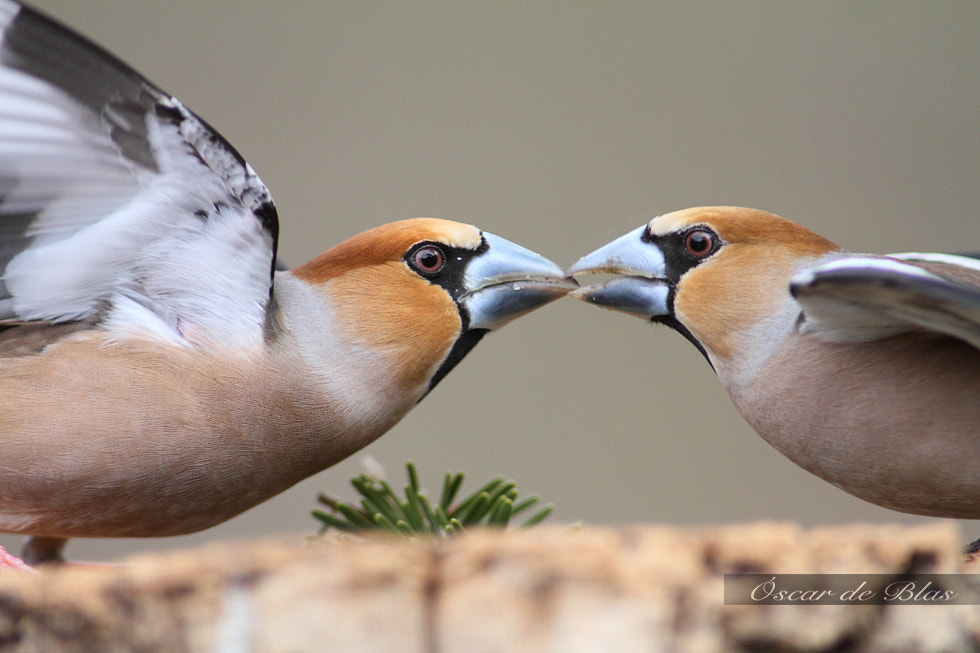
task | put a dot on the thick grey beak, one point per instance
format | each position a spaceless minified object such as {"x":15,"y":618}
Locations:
{"x":640,"y":287}
{"x":507,"y":281}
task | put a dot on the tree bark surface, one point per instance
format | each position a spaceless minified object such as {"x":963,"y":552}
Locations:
{"x":554,"y":589}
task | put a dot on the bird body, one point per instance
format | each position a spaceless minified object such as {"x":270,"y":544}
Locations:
{"x":891,"y":421}
{"x":133,"y":437}
{"x":157,"y":374}
{"x":862,"y":369}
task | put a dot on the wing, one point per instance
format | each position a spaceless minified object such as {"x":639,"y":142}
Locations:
{"x":859,"y":298}
{"x":119,"y":204}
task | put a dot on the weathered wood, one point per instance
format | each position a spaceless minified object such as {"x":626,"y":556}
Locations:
{"x":549,"y":589}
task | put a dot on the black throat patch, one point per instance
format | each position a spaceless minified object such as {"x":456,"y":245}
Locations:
{"x":464,"y":344}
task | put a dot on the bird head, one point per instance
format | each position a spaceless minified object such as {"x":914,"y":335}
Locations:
{"x":719,"y":275}
{"x":421,"y":293}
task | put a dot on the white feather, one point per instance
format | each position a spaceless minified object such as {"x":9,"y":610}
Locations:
{"x":169,"y":225}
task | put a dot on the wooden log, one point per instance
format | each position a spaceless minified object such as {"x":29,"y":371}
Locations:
{"x":643,"y":588}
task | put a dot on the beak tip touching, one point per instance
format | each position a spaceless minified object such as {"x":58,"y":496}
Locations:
{"x":512,"y":281}
{"x":637,"y":287}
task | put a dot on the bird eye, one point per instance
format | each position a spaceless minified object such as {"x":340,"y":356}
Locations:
{"x":699,"y":242}
{"x":429,"y":259}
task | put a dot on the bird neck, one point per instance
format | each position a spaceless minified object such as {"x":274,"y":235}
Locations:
{"x":360,"y":390}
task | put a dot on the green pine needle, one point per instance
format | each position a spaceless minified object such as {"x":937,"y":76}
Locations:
{"x":539,"y":517}
{"x":413,"y":477}
{"x":493,"y":505}
{"x":450,"y":488}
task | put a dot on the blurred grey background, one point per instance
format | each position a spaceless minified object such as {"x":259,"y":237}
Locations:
{"x":560,"y":126}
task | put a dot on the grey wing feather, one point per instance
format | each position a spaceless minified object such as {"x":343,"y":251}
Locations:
{"x":856,"y":298}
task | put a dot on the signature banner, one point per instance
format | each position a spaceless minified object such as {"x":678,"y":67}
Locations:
{"x":855,"y":589}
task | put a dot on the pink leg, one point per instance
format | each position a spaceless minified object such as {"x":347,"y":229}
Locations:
{"x":8,"y":561}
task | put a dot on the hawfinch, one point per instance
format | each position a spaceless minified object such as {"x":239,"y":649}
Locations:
{"x":157,"y":375}
{"x":862,"y":369}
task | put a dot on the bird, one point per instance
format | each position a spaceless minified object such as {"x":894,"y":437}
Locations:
{"x":158,"y":375}
{"x":862,"y":369}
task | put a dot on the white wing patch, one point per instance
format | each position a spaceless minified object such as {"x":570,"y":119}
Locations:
{"x":118,"y":202}
{"x":861,"y":298}
{"x":948,"y":259}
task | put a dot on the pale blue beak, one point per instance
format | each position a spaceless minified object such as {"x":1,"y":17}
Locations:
{"x":507,"y":281}
{"x":640,"y":287}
